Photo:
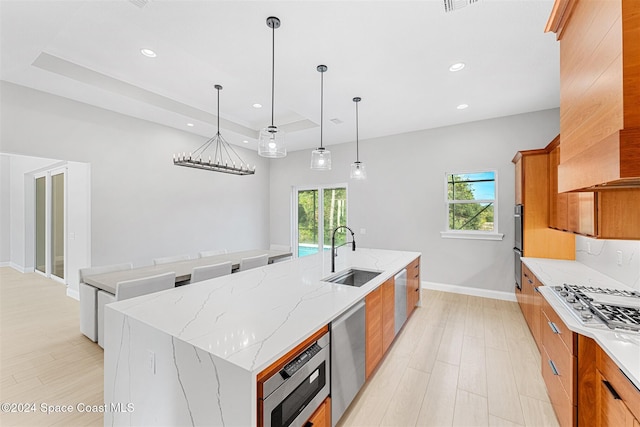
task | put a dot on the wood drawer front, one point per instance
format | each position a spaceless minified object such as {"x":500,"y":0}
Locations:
{"x":569,"y":338}
{"x":613,"y":412}
{"x":565,"y":410}
{"x":621,"y":384}
{"x":528,"y":276}
{"x":564,"y":363}
{"x":413,"y":269}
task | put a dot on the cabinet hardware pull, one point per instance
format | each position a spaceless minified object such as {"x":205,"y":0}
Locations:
{"x":553,"y":367}
{"x":530,"y":281}
{"x":612,"y":390}
{"x":554,"y":328}
{"x":536,"y":289}
{"x":629,"y":379}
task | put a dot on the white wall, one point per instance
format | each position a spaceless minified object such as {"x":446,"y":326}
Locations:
{"x":21,"y":204}
{"x":401,"y":204}
{"x":602,"y":255}
{"x":142,"y":206}
{"x":5,"y":211}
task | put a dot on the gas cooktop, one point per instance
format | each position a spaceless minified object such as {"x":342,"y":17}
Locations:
{"x":592,"y":306}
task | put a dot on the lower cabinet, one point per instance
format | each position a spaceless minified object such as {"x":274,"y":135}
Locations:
{"x":413,"y":285}
{"x":530,"y":302}
{"x":373,"y":331}
{"x":606,"y":397}
{"x":322,"y":416}
{"x":379,"y":324}
{"x":559,"y":365}
{"x":388,"y":313}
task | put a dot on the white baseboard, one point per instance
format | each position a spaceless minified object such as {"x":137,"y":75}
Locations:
{"x":5,"y":264}
{"x":476,"y":292}
{"x":20,"y":268}
{"x":73,"y":293}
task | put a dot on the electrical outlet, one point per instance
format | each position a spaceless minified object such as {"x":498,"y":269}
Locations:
{"x":588,"y":247}
{"x":151,"y":361}
{"x":363,"y":231}
{"x":619,"y":257}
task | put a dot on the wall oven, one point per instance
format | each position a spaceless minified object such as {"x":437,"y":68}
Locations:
{"x":291,"y":395}
{"x":518,"y":220}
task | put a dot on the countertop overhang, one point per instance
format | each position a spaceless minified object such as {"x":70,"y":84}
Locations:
{"x":622,"y":347}
{"x":252,"y":318}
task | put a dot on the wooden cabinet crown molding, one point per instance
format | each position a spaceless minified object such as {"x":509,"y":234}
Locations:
{"x":559,"y":16}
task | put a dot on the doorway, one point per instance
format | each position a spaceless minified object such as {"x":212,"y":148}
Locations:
{"x":318,"y":211}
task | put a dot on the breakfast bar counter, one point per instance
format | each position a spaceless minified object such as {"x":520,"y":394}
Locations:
{"x":190,"y":355}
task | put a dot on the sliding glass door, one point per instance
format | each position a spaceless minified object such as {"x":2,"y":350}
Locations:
{"x":319,"y":211}
{"x":57,"y":225}
{"x":41,"y":224}
{"x":50,"y":224}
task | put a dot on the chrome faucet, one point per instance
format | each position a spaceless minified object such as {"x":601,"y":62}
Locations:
{"x":334,"y":249}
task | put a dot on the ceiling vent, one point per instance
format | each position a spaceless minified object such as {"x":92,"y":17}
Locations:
{"x":451,"y":5}
{"x":139,"y":3}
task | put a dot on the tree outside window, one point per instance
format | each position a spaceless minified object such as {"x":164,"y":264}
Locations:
{"x":471,"y":201}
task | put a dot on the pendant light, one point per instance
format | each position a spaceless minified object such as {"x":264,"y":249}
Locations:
{"x":321,"y":157}
{"x":225,"y":159}
{"x":271,"y":140}
{"x":358,"y":170}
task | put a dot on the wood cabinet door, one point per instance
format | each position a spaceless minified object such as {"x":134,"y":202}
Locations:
{"x":535,"y":316}
{"x":388,"y":313}
{"x":518,"y":183}
{"x":322,"y":416}
{"x":613,"y":412}
{"x":373,"y":326}
{"x":558,"y":202}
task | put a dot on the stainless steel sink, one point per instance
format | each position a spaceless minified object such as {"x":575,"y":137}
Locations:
{"x":352,"y":277}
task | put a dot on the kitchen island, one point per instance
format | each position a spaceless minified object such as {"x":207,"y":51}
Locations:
{"x":190,"y":355}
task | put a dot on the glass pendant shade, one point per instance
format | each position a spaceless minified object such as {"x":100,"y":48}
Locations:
{"x":271,"y":143}
{"x":321,"y":159}
{"x":358,"y":170}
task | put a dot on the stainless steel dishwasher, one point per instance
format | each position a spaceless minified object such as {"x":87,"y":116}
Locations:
{"x":400,"y":280}
{"x":347,"y":359}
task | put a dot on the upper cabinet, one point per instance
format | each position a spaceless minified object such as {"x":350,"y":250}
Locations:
{"x":599,"y":93}
{"x":532,"y":191}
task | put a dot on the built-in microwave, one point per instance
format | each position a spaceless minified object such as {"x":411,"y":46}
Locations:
{"x":299,"y":388}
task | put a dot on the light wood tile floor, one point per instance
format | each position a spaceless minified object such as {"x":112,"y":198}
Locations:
{"x":44,"y":359}
{"x":459,"y":361}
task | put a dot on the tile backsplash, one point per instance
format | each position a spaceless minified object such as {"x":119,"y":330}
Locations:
{"x":602,"y":255}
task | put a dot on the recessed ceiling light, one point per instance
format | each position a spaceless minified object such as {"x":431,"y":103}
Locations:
{"x":245,"y":141}
{"x":190,"y":125}
{"x":462,"y":106}
{"x":456,"y":67}
{"x":256,"y":105}
{"x":148,"y":53}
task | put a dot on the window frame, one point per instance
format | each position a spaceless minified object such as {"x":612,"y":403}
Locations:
{"x":294,"y":211}
{"x":471,"y":234}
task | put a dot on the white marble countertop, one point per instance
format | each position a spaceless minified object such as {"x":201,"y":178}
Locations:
{"x":622,"y":347}
{"x":252,"y":318}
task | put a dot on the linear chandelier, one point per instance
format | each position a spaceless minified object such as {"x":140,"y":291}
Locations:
{"x":225,"y":159}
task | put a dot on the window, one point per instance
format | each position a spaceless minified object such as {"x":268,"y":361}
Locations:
{"x":318,"y":211}
{"x":471,"y":208}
